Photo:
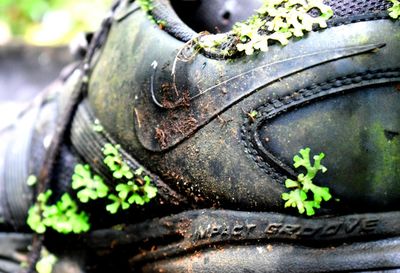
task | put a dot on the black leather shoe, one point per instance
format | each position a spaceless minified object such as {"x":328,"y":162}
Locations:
{"x":216,"y":130}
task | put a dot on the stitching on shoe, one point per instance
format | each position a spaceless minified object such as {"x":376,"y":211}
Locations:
{"x":274,"y":107}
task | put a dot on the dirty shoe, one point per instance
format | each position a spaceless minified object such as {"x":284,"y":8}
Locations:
{"x":222,"y":139}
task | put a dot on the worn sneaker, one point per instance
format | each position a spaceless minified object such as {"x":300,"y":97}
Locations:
{"x":222,"y":139}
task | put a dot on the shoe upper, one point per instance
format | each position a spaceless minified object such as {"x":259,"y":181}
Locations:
{"x":335,"y":91}
{"x":184,"y":114}
{"x":217,"y":132}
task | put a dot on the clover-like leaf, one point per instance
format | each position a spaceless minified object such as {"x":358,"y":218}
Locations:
{"x":62,"y":216}
{"x":149,"y":189}
{"x":394,"y":11}
{"x":116,"y":204}
{"x":34,"y":220}
{"x":123,"y":190}
{"x":67,"y":219}
{"x":298,"y":197}
{"x":109,"y":149}
{"x":112,"y":162}
{"x":123,"y":171}
{"x":295,"y":199}
{"x":133,"y":188}
{"x":320,"y":193}
{"x":90,"y":186}
{"x":137,"y":199}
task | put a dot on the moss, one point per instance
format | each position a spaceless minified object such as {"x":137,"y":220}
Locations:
{"x":147,"y":6}
{"x":280,"y":20}
{"x":276,"y":21}
{"x":388,"y":160}
{"x":394,"y":11}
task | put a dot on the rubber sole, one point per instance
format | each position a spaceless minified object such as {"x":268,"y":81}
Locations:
{"x":223,"y":241}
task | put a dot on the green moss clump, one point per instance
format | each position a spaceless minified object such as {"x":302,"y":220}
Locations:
{"x":63,"y":216}
{"x":276,"y":21}
{"x":280,"y":20}
{"x":147,"y":6}
{"x":133,"y":186}
{"x":394,"y":11}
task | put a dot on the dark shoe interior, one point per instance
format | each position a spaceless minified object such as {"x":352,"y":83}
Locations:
{"x":214,"y":16}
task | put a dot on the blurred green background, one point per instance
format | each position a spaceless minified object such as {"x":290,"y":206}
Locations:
{"x":49,"y":22}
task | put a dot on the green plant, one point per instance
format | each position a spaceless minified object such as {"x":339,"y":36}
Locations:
{"x":215,"y":44}
{"x":32,"y":180}
{"x":279,"y":20}
{"x":114,"y":162}
{"x":394,"y":11}
{"x":131,"y":191}
{"x":46,"y":262}
{"x":252,"y":115}
{"x":97,"y":127}
{"x":62,"y":216}
{"x":91,"y":186}
{"x":117,"y":203}
{"x":147,"y":6}
{"x":298,"y":197}
{"x":134,"y":188}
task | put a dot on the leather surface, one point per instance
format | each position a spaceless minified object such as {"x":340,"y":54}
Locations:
{"x":203,"y":142}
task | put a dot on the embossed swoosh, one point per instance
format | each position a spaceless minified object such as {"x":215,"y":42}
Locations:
{"x":218,"y":101}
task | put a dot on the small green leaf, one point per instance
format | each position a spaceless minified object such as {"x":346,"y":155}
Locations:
{"x":136,"y":198}
{"x":90,"y":186}
{"x":394,"y":11}
{"x":34,"y":220}
{"x":123,"y":171}
{"x":113,"y":207}
{"x":253,"y":113}
{"x":304,"y":184}
{"x":123,"y":190}
{"x":280,"y":20}
{"x":109,"y":149}
{"x":309,"y":206}
{"x":32,"y":180}
{"x":117,"y":203}
{"x":46,"y":263}
{"x":43,"y":197}
{"x":97,"y":127}
{"x":136,"y":190}
{"x":289,"y":183}
{"x":149,"y":189}
{"x":294,"y":199}
{"x":139,"y":171}
{"x":62,"y":216}
{"x":320,"y":193}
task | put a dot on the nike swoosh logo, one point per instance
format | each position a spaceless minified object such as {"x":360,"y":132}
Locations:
{"x":217,"y":100}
